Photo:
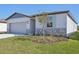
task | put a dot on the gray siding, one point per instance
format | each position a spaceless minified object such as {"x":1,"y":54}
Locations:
{"x":59,"y":25}
{"x":18,"y":19}
{"x":32,"y":26}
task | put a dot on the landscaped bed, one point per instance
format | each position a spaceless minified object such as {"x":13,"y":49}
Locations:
{"x":34,"y":44}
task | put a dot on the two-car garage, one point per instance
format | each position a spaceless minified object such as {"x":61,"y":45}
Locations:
{"x":18,"y":24}
{"x":19,"y":28}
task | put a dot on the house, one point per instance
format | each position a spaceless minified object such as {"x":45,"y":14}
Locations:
{"x":55,"y":23}
{"x":3,"y":26}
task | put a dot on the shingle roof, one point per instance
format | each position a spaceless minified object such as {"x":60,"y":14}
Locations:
{"x":48,"y":13}
{"x":15,"y":14}
{"x":60,"y":12}
{"x":2,"y":21}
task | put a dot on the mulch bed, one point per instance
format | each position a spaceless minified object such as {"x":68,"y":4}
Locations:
{"x":49,"y":40}
{"x":43,"y":40}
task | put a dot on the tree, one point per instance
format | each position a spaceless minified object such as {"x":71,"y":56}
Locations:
{"x":42,"y":19}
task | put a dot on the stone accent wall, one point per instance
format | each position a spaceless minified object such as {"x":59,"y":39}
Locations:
{"x":59,"y":31}
{"x":38,"y":31}
{"x":55,"y":31}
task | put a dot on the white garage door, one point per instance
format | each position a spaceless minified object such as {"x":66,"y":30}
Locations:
{"x":19,"y":28}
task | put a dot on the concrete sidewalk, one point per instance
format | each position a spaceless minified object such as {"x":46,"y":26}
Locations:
{"x":6,"y":35}
{"x":2,"y":36}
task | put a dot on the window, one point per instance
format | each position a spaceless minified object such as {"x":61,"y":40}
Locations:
{"x":49,"y":24}
{"x":50,"y":18}
{"x":51,"y":21}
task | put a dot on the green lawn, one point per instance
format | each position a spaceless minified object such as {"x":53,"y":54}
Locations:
{"x":26,"y":45}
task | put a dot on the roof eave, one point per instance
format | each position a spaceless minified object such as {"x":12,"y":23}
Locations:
{"x":51,"y":13}
{"x":16,"y":13}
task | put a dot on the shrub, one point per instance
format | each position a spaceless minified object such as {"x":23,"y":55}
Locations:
{"x":75,"y":36}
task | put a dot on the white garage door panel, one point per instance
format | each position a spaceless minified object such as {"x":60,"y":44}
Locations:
{"x":19,"y":28}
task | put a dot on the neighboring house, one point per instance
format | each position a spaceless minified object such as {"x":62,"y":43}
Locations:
{"x":55,"y":23}
{"x":3,"y":26}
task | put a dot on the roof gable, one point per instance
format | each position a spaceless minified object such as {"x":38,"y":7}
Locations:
{"x":16,"y":15}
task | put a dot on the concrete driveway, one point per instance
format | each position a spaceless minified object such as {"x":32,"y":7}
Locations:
{"x":8,"y":35}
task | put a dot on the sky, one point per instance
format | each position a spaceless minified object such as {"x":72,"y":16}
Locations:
{"x":29,"y":9}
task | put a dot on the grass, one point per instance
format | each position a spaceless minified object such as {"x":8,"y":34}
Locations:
{"x":26,"y":45}
{"x":75,"y":36}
